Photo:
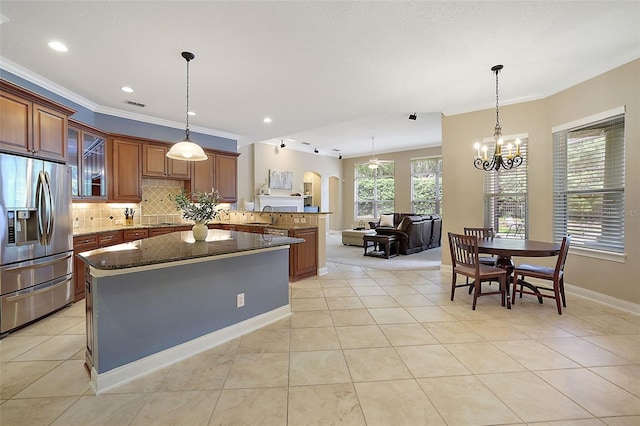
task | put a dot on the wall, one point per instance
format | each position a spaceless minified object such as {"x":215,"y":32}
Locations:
{"x":402,"y":180}
{"x":463,"y":199}
{"x":118,"y":125}
{"x":259,"y":158}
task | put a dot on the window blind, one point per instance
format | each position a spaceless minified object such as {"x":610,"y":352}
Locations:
{"x":589,"y":184}
{"x":505,"y":198}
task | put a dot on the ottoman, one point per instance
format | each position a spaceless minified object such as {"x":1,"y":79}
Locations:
{"x":354,"y":237}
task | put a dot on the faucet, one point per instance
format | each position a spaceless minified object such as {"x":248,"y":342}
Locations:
{"x":270,"y":210}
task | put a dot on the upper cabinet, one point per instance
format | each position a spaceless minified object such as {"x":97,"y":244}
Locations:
{"x":87,"y":149}
{"x":226,"y":176}
{"x":126,"y":174}
{"x":219,"y":171}
{"x":156,"y":164}
{"x":32,"y":125}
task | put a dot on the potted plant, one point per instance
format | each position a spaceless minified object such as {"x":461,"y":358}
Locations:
{"x":202,"y":212}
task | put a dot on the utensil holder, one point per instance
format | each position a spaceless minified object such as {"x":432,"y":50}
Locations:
{"x":128,"y":221}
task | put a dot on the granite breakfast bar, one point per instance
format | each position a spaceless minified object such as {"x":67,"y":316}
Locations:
{"x":155,"y":301}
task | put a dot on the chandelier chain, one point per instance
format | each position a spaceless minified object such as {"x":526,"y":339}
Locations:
{"x":497,"y":97}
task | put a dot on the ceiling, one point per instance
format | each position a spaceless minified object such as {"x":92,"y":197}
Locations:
{"x":332,"y":74}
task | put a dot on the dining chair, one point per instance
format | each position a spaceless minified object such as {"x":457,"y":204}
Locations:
{"x":465,"y":261}
{"x":556,"y":275}
{"x":483,"y":233}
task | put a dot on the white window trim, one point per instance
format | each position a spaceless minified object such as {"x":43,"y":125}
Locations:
{"x":591,"y":119}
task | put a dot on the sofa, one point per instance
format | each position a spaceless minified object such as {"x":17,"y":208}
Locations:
{"x":417,"y":233}
{"x":408,"y":230}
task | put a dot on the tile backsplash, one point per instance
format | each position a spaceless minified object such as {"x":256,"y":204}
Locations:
{"x":155,"y":208}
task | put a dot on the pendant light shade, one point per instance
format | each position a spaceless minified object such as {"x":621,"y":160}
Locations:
{"x":187,"y":150}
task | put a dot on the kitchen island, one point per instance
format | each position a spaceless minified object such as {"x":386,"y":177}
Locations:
{"x":155,"y":301}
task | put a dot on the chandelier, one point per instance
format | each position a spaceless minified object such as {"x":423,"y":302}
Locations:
{"x":187,"y":150}
{"x":499,"y":160}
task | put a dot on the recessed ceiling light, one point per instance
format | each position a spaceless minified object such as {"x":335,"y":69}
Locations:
{"x":56,"y":45}
{"x":267,"y":120}
{"x":191,"y":113}
{"x":126,"y":89}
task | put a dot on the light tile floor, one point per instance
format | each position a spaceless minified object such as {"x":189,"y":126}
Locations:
{"x":362,"y":347}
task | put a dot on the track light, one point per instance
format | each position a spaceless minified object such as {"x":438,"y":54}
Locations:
{"x":413,"y":116}
{"x":315,"y":150}
{"x":282,"y":145}
{"x":339,"y":156}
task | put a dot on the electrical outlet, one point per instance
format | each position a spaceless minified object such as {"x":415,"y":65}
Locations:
{"x":239,"y":300}
{"x":118,"y":221}
{"x":296,"y":220}
{"x":303,"y":220}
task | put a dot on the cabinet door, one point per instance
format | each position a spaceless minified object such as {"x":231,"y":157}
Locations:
{"x":303,"y":257}
{"x":93,"y":166}
{"x":49,"y":133}
{"x":15,"y":123}
{"x":126,"y":177}
{"x":81,"y":244}
{"x":226,"y":177}
{"x":178,"y":169}
{"x":202,"y":175}
{"x":154,"y":161}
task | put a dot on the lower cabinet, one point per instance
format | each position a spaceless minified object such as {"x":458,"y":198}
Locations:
{"x":88,"y":353}
{"x":303,"y":257}
{"x":84,"y":243}
{"x":135,"y":234}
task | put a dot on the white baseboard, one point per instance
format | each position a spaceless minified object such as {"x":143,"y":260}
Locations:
{"x":624,"y":305}
{"x":126,"y":373}
{"x":323,"y":271}
{"x":631,"y":307}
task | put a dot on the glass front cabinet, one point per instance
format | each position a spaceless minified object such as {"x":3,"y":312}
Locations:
{"x":87,"y":158}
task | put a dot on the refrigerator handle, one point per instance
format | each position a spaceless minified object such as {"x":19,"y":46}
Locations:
{"x":41,"y":205}
{"x":50,"y":209}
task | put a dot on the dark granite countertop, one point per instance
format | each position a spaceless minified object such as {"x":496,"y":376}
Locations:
{"x":179,"y":246}
{"x":79,"y":232}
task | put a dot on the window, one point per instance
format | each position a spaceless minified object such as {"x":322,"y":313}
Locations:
{"x":375,"y":190}
{"x":426,"y":185}
{"x":588,"y":183}
{"x":505,"y":198}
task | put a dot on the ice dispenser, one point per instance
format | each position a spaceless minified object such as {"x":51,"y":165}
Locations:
{"x":22,"y":226}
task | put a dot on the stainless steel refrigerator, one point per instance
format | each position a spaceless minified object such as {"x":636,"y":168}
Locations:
{"x":36,"y":241}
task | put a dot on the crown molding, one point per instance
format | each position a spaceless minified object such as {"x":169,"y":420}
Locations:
{"x":49,"y":85}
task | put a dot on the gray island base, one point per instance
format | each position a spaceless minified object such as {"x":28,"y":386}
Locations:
{"x":156,"y":301}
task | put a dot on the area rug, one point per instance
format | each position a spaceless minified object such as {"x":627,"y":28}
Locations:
{"x":353,"y":255}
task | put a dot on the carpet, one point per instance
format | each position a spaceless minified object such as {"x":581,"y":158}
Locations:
{"x":353,"y":255}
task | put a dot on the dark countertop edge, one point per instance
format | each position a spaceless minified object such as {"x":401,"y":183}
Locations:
{"x":87,"y":231}
{"x":113,"y":270}
{"x":281,"y":242}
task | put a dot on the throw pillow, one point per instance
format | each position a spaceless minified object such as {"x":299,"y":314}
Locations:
{"x":386,"y":220}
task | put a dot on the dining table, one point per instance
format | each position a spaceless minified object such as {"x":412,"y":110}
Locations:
{"x":506,"y":248}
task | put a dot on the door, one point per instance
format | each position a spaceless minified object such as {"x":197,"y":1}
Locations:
{"x":18,"y":181}
{"x":61,"y":239}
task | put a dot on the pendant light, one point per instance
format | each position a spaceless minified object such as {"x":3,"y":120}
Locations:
{"x":187,"y":150}
{"x":498,"y":160}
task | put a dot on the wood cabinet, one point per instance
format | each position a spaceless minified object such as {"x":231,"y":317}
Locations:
{"x":153,"y":232}
{"x":303,"y":257}
{"x":84,"y":243}
{"x":226,"y":177}
{"x":219,"y":171}
{"x":126,"y":176}
{"x":87,"y":157}
{"x":88,"y":353}
{"x":202,"y":177}
{"x":156,"y":164}
{"x":32,"y":125}
{"x":135,"y":234}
